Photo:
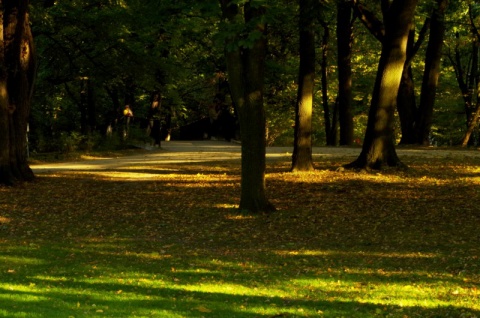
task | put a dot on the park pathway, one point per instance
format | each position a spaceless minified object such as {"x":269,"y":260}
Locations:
{"x":175,"y":152}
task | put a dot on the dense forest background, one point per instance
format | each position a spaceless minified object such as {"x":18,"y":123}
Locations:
{"x":166,"y":61}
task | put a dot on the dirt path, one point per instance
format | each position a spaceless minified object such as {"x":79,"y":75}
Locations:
{"x":211,"y":151}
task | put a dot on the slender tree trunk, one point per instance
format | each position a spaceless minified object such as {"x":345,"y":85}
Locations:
{"x":330,"y":139}
{"x":153,"y":117}
{"x":378,"y":147}
{"x":466,"y":82}
{"x":87,"y":107}
{"x":472,"y":123}
{"x":344,"y":40}
{"x":462,"y":79}
{"x":83,"y":106}
{"x":115,"y":111}
{"x":245,"y":67}
{"x":432,"y":72}
{"x":17,"y":72}
{"x":91,"y":109}
{"x":302,"y":147}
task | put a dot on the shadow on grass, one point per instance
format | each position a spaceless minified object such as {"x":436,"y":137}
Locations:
{"x":128,"y":278}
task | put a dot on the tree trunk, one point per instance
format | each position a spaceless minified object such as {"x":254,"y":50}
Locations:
{"x":344,"y":42}
{"x":302,"y":147}
{"x":154,"y":121}
{"x":407,"y":107}
{"x":17,"y":72}
{"x":91,"y":110}
{"x":431,"y":74}
{"x":87,"y":107}
{"x":378,"y":147}
{"x":406,"y":103}
{"x":472,"y":123}
{"x":327,"y":117}
{"x":245,"y":67}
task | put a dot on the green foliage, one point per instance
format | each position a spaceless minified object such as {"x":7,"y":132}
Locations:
{"x":129,"y":49}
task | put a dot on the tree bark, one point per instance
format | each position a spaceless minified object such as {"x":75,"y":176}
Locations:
{"x":378,"y":147}
{"x":245,"y":66}
{"x":431,"y":74}
{"x":472,"y":110}
{"x":466,"y":79}
{"x":407,"y":108}
{"x":344,"y":61}
{"x":406,"y":102}
{"x":17,"y":72}
{"x":472,"y":123}
{"x":154,"y":121}
{"x":302,"y":147}
{"x":327,"y":116}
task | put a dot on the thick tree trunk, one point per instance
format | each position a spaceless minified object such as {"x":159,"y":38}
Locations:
{"x":432,"y":72}
{"x":245,"y":68}
{"x":344,"y":42}
{"x":378,"y":147}
{"x":302,"y":147}
{"x":406,"y":103}
{"x":17,"y":72}
{"x":6,"y":176}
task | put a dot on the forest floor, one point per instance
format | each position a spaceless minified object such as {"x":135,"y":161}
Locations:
{"x":159,"y":234}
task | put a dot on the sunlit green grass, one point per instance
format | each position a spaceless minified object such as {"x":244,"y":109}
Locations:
{"x":110,"y":279}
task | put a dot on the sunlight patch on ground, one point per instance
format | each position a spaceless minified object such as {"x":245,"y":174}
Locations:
{"x":4,"y":220}
{"x":356,"y":254}
{"x":238,"y":216}
{"x":21,"y":293}
{"x":21,"y":260}
{"x":407,"y":294}
{"x":127,"y":175}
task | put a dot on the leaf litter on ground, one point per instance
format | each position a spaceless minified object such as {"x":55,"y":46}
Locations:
{"x":169,"y":241}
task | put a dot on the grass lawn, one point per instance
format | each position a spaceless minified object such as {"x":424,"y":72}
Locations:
{"x":168,"y":241}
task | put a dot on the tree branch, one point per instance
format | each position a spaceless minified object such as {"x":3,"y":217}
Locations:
{"x":370,"y":21}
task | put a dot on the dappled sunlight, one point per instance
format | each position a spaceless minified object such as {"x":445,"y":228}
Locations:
{"x":5,"y":220}
{"x":400,"y":294}
{"x":99,"y":282}
{"x":19,"y":261}
{"x":167,"y":240}
{"x":356,"y":254}
{"x":238,"y":217}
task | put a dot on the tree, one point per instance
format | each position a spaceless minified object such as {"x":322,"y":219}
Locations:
{"x":344,"y":62}
{"x":17,"y":73}
{"x":464,"y":60}
{"x":408,"y":112}
{"x":473,"y":111}
{"x":245,"y":59}
{"x":302,"y":147}
{"x":378,"y":146}
{"x":433,"y":58}
{"x":330,"y":120}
